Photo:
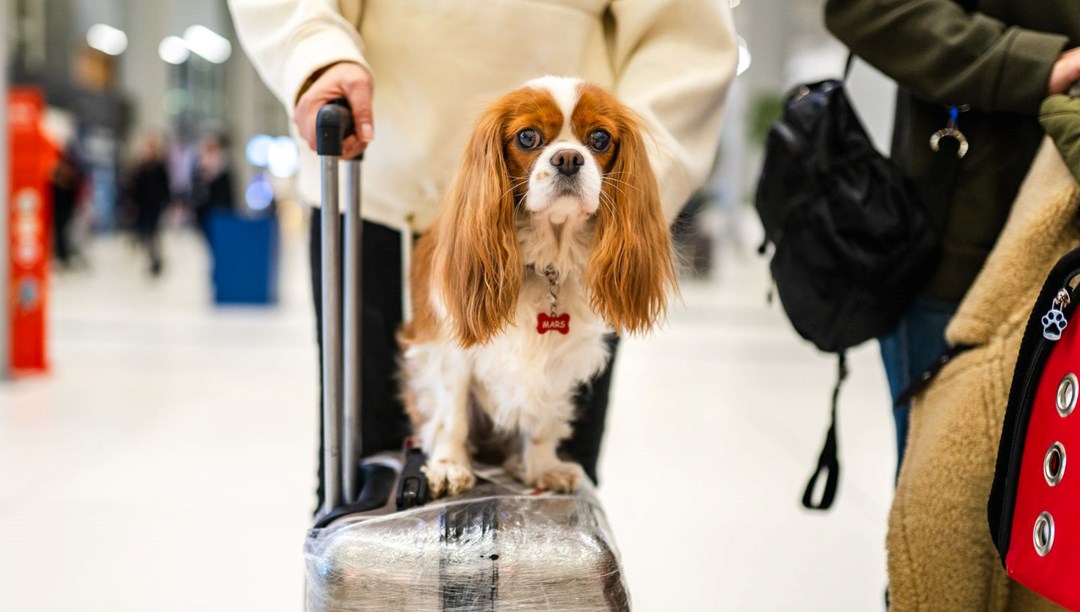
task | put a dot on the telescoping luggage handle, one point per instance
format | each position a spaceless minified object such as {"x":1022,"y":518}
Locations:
{"x":340,"y":351}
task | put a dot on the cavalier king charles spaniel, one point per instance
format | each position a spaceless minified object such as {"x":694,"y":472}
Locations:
{"x":550,"y":237}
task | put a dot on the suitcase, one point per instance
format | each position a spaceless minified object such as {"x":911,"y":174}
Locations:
{"x":377,"y":543}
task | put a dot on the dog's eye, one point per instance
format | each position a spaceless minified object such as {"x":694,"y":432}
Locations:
{"x":599,"y":141}
{"x":528,"y":139}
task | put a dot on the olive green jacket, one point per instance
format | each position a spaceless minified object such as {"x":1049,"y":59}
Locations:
{"x":997,"y":60}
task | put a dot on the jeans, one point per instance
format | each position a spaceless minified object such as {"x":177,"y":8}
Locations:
{"x":909,"y":350}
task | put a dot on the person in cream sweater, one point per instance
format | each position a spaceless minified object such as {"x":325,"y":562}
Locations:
{"x":418,"y":72}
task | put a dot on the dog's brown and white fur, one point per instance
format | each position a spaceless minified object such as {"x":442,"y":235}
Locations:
{"x":565,"y":196}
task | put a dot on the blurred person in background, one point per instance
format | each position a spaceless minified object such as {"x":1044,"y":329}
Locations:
{"x":67,"y":182}
{"x":212,"y":184}
{"x":435,"y":66}
{"x":996,"y":60}
{"x":181,"y":159}
{"x":150,"y":196}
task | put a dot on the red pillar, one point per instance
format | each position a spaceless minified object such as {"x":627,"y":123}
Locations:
{"x":29,"y":227}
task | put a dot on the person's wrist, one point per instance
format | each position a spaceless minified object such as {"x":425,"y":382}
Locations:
{"x":318,"y":74}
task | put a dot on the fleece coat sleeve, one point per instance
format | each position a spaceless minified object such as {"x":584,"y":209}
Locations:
{"x":674,"y":61}
{"x":289,"y":41}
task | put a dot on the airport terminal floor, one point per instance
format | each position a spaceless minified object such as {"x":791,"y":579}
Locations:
{"x":167,"y":462}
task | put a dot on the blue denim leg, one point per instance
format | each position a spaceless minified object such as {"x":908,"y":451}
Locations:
{"x":908,"y":350}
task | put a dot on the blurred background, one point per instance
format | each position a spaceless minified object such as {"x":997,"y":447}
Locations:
{"x":159,"y":383}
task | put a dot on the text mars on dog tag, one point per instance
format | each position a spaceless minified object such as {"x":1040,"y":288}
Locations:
{"x":546,"y":323}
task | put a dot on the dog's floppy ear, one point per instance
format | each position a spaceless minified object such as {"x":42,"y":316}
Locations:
{"x":631,"y":268}
{"x":478,"y":262}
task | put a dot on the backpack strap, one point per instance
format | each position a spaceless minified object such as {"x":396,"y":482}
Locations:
{"x":923,"y":381}
{"x":829,"y":460}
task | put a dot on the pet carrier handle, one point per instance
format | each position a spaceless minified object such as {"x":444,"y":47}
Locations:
{"x":340,"y":351}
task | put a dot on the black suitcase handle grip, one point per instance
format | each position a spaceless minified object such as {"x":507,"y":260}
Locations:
{"x":333,"y":125}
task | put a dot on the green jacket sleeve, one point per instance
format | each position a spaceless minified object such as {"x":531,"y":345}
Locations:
{"x":947,"y":56}
{"x":1060,"y":117}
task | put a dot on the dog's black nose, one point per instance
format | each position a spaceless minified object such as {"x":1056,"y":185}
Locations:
{"x":567,"y":161}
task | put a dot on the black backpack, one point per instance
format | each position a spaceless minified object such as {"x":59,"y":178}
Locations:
{"x":853,"y":240}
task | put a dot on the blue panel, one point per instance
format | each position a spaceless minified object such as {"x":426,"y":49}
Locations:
{"x":245,"y":253}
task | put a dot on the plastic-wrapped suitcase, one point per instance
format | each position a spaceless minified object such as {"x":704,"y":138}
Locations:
{"x":378,"y":544}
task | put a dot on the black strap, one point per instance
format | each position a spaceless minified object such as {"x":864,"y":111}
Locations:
{"x":847,"y":65}
{"x":936,"y":188}
{"x":928,"y":375}
{"x":829,"y":460}
{"x":936,"y":191}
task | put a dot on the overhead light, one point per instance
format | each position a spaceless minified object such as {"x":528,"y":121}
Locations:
{"x":282,"y":157}
{"x":744,"y":57}
{"x":207,"y":43}
{"x":106,"y":39}
{"x":258,"y":150}
{"x":173,"y":50}
{"x":259,"y":194}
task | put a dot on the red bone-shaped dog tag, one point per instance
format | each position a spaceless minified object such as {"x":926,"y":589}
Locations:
{"x":546,"y":323}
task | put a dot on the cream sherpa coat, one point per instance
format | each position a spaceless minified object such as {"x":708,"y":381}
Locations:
{"x":941,"y":558}
{"x":438,"y":63}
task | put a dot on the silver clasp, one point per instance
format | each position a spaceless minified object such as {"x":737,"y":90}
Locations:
{"x":952,"y":131}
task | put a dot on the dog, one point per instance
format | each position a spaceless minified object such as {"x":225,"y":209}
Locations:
{"x":550,"y":237}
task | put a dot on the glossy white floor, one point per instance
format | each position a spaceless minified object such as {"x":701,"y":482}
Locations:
{"x":166,"y":464}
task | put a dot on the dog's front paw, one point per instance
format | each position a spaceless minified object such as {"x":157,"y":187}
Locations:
{"x":448,"y":478}
{"x":563,"y":477}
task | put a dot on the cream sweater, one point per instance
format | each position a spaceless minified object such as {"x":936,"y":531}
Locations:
{"x":438,"y":63}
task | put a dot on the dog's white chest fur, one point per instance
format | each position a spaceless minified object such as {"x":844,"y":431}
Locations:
{"x":522,"y":373}
{"x":522,"y":380}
